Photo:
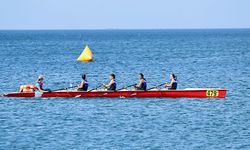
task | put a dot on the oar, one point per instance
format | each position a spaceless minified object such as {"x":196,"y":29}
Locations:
{"x":156,"y":86}
{"x":65,"y":88}
{"x":95,"y":88}
{"x":126,"y":87}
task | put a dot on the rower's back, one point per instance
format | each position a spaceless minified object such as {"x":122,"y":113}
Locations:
{"x":84,"y":86}
{"x":112,"y":87}
{"x":144,"y":85}
{"x":174,"y":85}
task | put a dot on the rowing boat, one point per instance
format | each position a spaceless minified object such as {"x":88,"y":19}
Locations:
{"x":155,"y":93}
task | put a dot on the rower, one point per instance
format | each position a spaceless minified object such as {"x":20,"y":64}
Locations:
{"x":142,"y":85}
{"x":173,"y":84}
{"x":84,"y":84}
{"x":112,"y":83}
{"x":39,"y":84}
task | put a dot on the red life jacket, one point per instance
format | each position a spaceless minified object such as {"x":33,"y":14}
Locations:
{"x":28,"y":88}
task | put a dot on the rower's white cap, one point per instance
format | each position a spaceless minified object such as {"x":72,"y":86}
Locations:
{"x":41,"y":77}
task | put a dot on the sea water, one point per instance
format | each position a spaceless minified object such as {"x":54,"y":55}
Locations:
{"x":199,"y":58}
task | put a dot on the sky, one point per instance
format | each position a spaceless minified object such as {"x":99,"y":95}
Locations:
{"x":124,"y":14}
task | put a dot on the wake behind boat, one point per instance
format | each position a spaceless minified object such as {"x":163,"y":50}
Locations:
{"x":154,"y":93}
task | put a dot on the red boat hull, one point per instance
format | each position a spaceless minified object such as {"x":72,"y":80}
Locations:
{"x":187,"y":93}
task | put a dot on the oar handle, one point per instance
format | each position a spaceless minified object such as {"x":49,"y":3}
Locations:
{"x":95,"y":88}
{"x":126,"y":87}
{"x":64,"y":88}
{"x":156,"y":86}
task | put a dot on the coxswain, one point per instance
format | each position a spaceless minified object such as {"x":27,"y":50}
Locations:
{"x":39,"y":84}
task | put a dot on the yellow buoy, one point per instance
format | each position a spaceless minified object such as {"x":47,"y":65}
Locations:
{"x":86,"y":55}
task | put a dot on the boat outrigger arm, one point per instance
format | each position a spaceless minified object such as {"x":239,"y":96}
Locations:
{"x":154,"y":93}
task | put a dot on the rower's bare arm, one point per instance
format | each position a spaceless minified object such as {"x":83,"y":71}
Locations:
{"x":139,"y":85}
{"x":81,"y":85}
{"x":110,"y":83}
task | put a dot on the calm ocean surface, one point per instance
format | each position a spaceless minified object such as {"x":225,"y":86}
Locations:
{"x":200,"y":58}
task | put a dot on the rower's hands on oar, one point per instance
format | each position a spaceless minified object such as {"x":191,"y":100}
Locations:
{"x":166,"y":84}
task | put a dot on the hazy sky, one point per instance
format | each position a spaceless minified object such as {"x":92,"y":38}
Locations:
{"x":123,"y":14}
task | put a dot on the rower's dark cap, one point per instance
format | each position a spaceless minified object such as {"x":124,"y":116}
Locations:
{"x":83,"y":76}
{"x":112,"y":75}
